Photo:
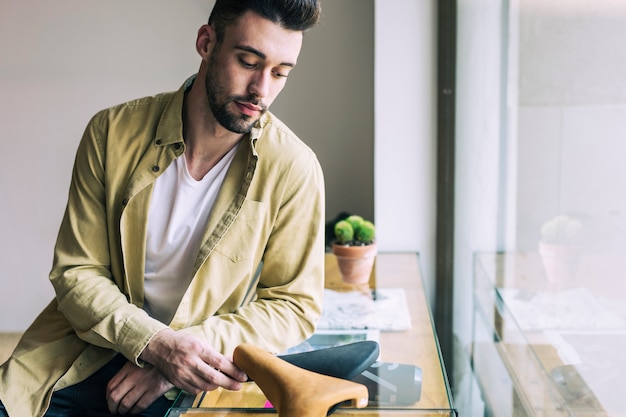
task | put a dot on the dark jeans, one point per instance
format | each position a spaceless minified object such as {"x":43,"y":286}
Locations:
{"x":88,"y":398}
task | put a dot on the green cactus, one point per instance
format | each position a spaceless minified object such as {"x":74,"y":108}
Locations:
{"x":355,"y":221}
{"x":344,"y":233}
{"x":354,"y":231}
{"x":365,"y":232}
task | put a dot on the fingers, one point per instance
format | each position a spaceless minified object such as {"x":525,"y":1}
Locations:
{"x":134,"y":402}
{"x":191,"y":364}
{"x":134,"y":389}
{"x":199,"y":376}
{"x":224,"y":365}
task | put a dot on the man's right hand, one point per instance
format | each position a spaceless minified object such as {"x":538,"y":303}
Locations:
{"x":190,"y":363}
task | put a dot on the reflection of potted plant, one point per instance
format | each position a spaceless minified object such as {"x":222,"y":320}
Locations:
{"x":560,"y":248}
{"x":355,"y":248}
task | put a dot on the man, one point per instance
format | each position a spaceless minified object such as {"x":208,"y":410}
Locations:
{"x":194,"y":223}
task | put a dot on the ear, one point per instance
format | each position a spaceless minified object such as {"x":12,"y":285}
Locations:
{"x":205,"y":41}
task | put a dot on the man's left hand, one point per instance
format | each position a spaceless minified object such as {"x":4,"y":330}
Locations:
{"x":133,"y":389}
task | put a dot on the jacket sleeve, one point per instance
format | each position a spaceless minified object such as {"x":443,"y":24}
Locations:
{"x":87,"y":294}
{"x":288,"y":296}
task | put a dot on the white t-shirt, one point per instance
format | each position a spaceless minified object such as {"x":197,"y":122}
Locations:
{"x":177,"y":217}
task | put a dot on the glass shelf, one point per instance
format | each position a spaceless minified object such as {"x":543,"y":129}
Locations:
{"x":415,"y":347}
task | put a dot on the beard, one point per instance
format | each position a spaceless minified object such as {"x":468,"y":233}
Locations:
{"x":223,"y":109}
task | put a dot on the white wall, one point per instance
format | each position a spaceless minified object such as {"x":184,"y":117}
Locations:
{"x":405,"y":143}
{"x":62,"y":62}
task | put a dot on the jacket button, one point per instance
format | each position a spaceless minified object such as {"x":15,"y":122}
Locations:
{"x":177,"y":146}
{"x":124,"y":202}
{"x":155,"y":168}
{"x":158,"y":141}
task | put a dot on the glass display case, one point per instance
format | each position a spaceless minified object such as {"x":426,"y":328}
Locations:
{"x":411,"y":378}
{"x":550,"y":333}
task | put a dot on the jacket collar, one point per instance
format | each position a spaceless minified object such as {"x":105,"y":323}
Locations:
{"x":170,"y":127}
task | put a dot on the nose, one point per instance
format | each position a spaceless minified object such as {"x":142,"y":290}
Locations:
{"x":260,"y":84}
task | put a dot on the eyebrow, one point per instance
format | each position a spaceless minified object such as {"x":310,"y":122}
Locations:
{"x":260,"y":54}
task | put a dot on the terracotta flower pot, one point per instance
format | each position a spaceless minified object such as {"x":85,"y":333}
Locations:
{"x":355,"y":262}
{"x":560,"y":262}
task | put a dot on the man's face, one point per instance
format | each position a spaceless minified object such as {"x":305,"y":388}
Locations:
{"x":247,"y":71}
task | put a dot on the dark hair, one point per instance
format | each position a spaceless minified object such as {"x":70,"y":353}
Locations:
{"x":297,"y":15}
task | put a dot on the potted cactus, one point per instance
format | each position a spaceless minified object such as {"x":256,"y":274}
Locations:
{"x":355,"y":248}
{"x":560,"y":249}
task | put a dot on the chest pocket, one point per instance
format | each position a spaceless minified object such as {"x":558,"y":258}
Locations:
{"x":247,"y":234}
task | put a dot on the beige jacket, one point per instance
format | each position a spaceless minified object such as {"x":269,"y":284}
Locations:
{"x":258,"y":276}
